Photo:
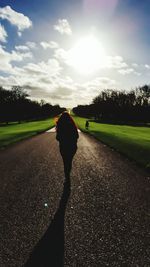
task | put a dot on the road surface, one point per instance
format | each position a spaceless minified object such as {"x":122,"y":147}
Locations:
{"x":99,"y":218}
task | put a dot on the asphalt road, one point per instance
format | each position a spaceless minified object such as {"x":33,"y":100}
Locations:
{"x":98,"y":218}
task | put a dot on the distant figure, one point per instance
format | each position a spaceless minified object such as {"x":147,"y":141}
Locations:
{"x":87,"y":125}
{"x":67,"y":135}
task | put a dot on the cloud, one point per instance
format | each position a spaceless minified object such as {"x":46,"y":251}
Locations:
{"x":31,"y":45}
{"x":61,"y":93}
{"x":50,"y":68}
{"x":51,"y":44}
{"x":3,"y":34}
{"x":40,"y":79}
{"x":126,"y":71}
{"x":64,"y":88}
{"x":21,"y":21}
{"x":135,"y":65}
{"x":61,"y":55}
{"x":147,"y":66}
{"x":63,"y":27}
{"x":46,"y":80}
{"x":116,"y":62}
{"x":137,"y":73}
{"x":111,"y":62}
{"x":25,"y":55}
{"x":99,"y":83}
{"x":22,"y":48}
{"x":19,"y":34}
{"x":7,"y":82}
{"x":8,"y":57}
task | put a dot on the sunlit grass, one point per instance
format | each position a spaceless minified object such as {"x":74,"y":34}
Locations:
{"x":14,"y":132}
{"x":132,"y":141}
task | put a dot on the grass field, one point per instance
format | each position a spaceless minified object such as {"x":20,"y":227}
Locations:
{"x":134,"y":142}
{"x":15,"y":132}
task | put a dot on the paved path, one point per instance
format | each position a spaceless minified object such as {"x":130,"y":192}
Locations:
{"x":100,"y":218}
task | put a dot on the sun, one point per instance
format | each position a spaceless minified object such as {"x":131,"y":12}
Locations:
{"x":87,"y":56}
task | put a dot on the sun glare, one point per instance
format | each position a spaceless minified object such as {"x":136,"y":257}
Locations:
{"x":87,"y":56}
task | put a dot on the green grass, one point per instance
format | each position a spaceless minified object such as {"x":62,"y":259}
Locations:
{"x":132,"y":141}
{"x":14,"y":132}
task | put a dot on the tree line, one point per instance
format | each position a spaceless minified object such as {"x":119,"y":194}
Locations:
{"x":116,"y":106}
{"x":16,"y":106}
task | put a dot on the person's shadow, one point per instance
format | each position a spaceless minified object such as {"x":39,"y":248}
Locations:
{"x":49,"y":251}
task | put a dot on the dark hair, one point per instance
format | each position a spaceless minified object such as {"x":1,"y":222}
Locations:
{"x":65,"y":118}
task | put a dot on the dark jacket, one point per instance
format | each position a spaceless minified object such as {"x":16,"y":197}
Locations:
{"x":67,"y":133}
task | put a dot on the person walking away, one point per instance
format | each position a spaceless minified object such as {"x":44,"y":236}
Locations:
{"x":86,"y":124}
{"x":67,"y":135}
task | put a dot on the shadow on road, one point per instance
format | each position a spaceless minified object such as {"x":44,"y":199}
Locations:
{"x":50,"y":249}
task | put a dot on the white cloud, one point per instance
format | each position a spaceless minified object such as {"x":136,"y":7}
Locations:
{"x":31,"y":45}
{"x":147,"y":66}
{"x":100,"y":83}
{"x":46,"y":80}
{"x":135,"y":65}
{"x":45,"y":45}
{"x":7,"y":82}
{"x":8,"y":57}
{"x":25,"y":55}
{"x":42,"y":82}
{"x":111,"y":62}
{"x":61,"y":55}
{"x":22,"y":48}
{"x":64,"y":88}
{"x":126,"y":71}
{"x":51,"y":44}
{"x":63,"y":27}
{"x":137,"y":73}
{"x":21,"y":21}
{"x":19,"y":34}
{"x":116,"y":62}
{"x":50,"y":68}
{"x":3,"y":34}
{"x":41,"y":79}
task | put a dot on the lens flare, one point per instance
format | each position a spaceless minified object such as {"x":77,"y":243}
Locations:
{"x":100,"y":7}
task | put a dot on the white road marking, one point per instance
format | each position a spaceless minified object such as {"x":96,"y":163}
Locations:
{"x":52,"y":130}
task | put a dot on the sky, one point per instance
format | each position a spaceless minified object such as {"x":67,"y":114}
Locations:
{"x":66,"y":51}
